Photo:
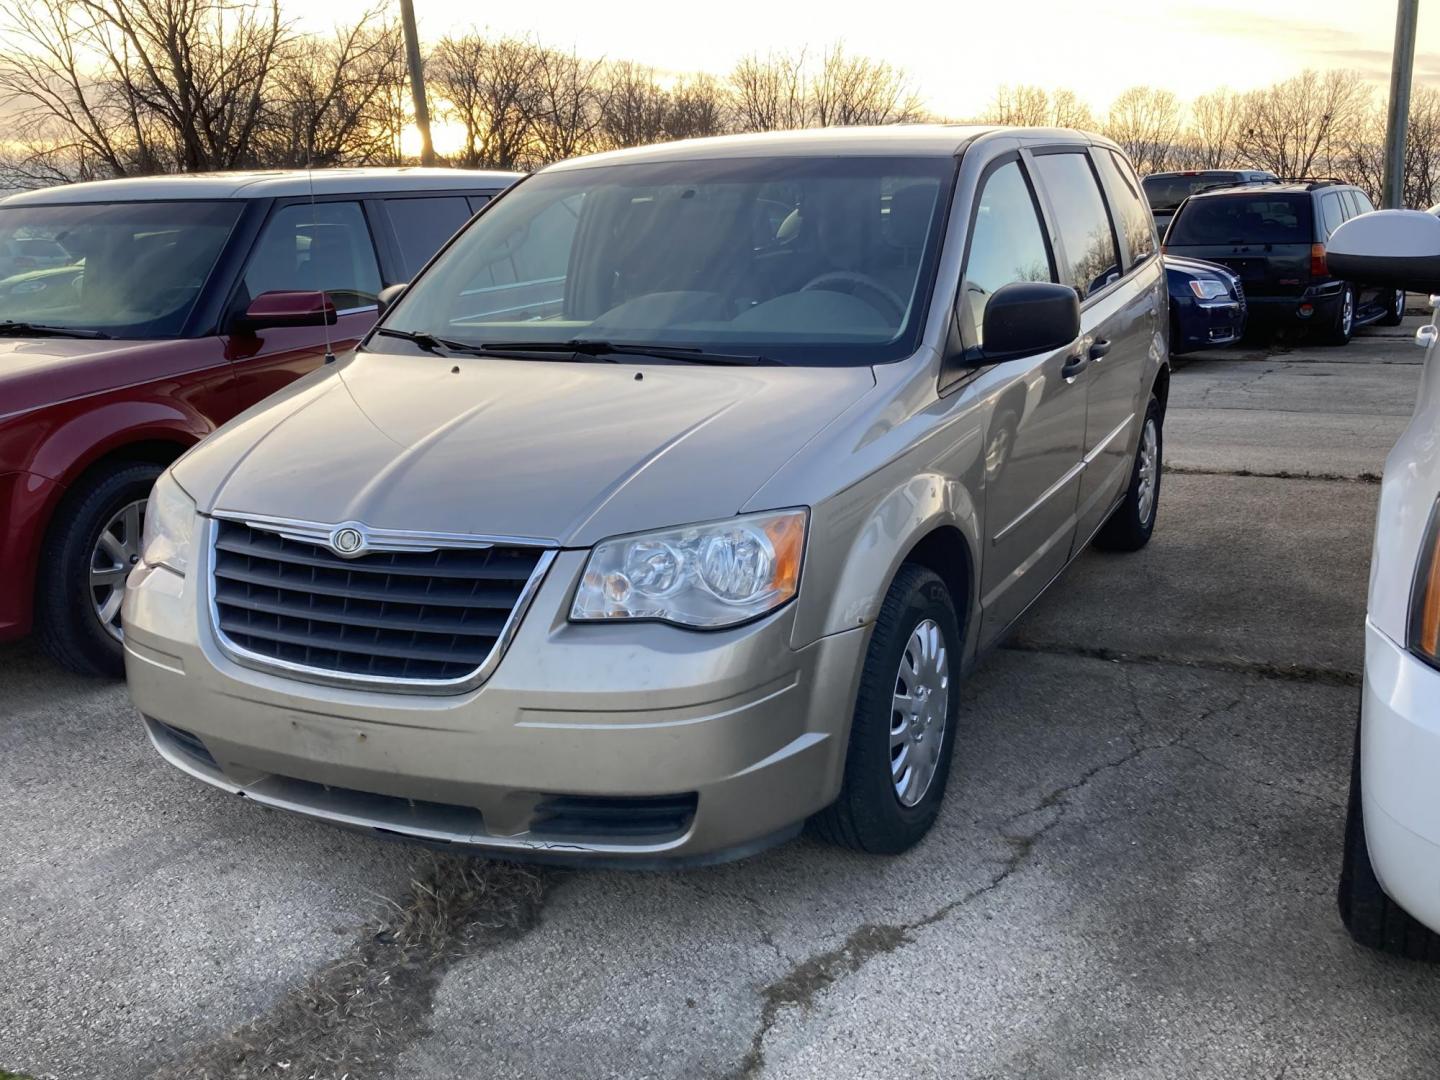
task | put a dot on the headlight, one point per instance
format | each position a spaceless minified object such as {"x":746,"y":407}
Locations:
{"x":169,"y":523}
{"x":1209,"y":289}
{"x":1425,"y":595}
{"x":711,"y":575}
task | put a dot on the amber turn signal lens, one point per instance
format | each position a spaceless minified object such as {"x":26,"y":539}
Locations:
{"x":787,"y":537}
{"x":1425,"y":600}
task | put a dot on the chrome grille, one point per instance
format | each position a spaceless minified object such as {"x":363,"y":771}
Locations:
{"x":419,"y":617}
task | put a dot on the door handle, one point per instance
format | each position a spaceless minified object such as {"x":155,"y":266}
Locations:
{"x":1074,"y":365}
{"x":1098,"y":349}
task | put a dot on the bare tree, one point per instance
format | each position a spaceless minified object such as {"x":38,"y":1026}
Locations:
{"x":853,"y":90}
{"x":1209,"y":141}
{"x":493,"y":89}
{"x":1299,"y":125}
{"x":1146,"y":123}
{"x":568,"y":104}
{"x":697,"y":107}
{"x":633,"y":107}
{"x":328,"y":104}
{"x":1033,"y":106}
{"x":770,"y":93}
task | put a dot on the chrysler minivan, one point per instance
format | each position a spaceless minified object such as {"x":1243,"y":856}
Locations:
{"x":669,"y":504}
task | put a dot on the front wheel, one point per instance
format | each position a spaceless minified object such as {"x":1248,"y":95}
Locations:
{"x":90,"y":549}
{"x":903,"y":731}
{"x":1130,"y":526}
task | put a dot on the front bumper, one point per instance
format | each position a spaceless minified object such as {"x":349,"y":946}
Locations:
{"x":734,"y":736}
{"x":1400,"y":761}
{"x":1211,"y":323}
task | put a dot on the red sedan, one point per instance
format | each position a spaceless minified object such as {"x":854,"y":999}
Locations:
{"x":162,"y":308}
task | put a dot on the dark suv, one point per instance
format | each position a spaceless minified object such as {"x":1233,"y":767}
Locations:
{"x":1165,"y":191}
{"x":1273,"y":235}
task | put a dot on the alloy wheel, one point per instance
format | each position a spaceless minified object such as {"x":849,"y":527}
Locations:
{"x":1149,"y":469}
{"x":116,"y":551}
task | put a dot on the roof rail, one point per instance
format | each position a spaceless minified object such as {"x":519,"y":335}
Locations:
{"x":1318,"y":181}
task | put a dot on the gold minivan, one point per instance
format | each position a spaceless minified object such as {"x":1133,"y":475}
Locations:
{"x":666,"y":508}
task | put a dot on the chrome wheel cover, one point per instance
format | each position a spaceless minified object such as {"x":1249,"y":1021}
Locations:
{"x":116,"y":550}
{"x":1347,"y":312}
{"x":918,"y":712}
{"x":1149,"y":469}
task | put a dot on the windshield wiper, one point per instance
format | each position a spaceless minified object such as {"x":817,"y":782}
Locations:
{"x":30,"y":329}
{"x":602,"y":349}
{"x":445,"y":347}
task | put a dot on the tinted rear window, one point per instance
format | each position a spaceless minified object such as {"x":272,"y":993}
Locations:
{"x":1168,"y":192}
{"x":1243,"y":219}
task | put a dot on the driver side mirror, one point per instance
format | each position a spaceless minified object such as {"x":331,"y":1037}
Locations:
{"x":271,"y":309}
{"x":1398,"y":248}
{"x":1029,"y":317}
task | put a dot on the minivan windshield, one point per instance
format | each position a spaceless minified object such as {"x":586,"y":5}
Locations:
{"x":123,"y":269}
{"x":1242,"y":219}
{"x":800,"y":260}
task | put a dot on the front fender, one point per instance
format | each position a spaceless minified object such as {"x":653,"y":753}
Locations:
{"x":867,"y":535}
{"x":61,"y":442}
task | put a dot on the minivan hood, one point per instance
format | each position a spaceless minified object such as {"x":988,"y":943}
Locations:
{"x":561,"y":451}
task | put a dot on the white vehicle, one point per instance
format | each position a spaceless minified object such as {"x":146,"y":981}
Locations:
{"x":1390,"y":879}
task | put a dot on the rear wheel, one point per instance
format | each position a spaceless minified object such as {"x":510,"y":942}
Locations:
{"x":903,"y":732}
{"x":90,"y":549}
{"x":1373,"y":919}
{"x":1130,"y":526}
{"x":1395,"y":312}
{"x":1342,"y":322}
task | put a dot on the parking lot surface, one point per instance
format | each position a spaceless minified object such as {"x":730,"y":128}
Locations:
{"x":1133,"y":875}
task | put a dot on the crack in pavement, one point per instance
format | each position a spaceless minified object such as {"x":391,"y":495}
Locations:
{"x":351,"y":1019}
{"x":1278,"y":474}
{"x":799,"y":986}
{"x":1326,"y":676}
{"x":804,"y":981}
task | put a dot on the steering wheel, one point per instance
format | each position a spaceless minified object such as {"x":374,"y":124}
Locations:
{"x":862,"y":287}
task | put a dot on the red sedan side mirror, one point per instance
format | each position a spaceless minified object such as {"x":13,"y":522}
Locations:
{"x":288,"y":309}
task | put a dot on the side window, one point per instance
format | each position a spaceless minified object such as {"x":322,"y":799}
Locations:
{"x":1081,"y":220}
{"x":477,"y":201}
{"x":1007,"y":243}
{"x":1331,"y":211}
{"x":325,"y":247}
{"x":423,"y":224}
{"x":1137,"y":224}
{"x":1363,"y":205}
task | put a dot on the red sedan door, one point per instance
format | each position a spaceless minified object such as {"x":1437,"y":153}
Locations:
{"x":325,"y":246}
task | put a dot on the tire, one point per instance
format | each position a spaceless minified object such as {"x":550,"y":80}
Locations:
{"x":1342,"y":323}
{"x":1371,"y":917}
{"x":1395,"y":313}
{"x":870,"y":814}
{"x":69,"y":626}
{"x":1130,"y":526}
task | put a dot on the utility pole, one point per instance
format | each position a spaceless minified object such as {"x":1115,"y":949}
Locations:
{"x":417,"y":81}
{"x":1393,"y":197}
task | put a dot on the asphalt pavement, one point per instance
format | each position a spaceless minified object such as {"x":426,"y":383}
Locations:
{"x":1133,"y":875}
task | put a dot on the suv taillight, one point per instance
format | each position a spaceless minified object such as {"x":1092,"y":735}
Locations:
{"x":1317,"y":261}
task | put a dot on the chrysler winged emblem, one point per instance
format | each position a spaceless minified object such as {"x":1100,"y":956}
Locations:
{"x":348,"y":540}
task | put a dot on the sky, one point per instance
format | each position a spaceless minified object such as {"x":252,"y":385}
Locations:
{"x":957,"y":53}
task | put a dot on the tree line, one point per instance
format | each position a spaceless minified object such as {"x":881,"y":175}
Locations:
{"x":102,"y":88}
{"x":1328,"y":123}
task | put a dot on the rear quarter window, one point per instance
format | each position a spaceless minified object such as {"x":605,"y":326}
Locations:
{"x":1243,"y":219}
